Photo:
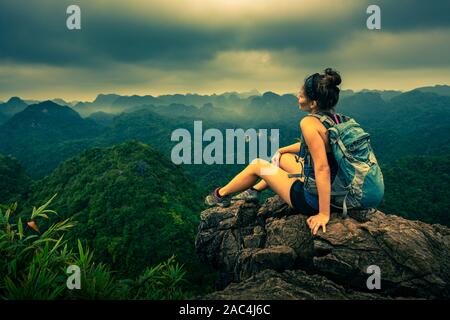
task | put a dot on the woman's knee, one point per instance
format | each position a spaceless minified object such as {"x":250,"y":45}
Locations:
{"x":260,"y":162}
{"x":260,"y":166}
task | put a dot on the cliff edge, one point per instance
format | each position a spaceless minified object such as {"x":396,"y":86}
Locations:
{"x":267,"y":252}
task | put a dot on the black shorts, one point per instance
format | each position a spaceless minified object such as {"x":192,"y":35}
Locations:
{"x":299,"y":203}
{"x":298,"y":200}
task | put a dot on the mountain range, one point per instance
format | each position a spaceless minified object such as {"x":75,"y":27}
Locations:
{"x":111,"y":171}
{"x":407,"y":124}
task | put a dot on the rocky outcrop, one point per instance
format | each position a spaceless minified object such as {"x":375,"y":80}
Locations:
{"x":288,"y":285}
{"x":256,"y":248}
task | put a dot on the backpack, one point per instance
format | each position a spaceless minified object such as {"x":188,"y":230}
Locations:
{"x":359,"y":182}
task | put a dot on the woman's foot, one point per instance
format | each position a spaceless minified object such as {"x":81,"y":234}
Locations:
{"x":214,"y":198}
{"x":249,"y":195}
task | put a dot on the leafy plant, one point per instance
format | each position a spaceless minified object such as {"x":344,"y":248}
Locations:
{"x":42,"y":210}
{"x":97,"y":281}
{"x":163,"y":281}
{"x":30,"y":262}
{"x":33,"y":265}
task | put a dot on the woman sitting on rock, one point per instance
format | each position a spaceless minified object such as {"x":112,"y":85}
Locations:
{"x":319,"y":94}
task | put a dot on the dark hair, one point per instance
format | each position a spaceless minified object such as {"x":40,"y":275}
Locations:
{"x":323,"y":88}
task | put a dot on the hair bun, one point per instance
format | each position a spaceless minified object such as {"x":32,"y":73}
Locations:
{"x":332,"y":77}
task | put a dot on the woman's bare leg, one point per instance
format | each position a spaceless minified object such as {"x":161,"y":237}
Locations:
{"x":276,"y":178}
{"x":288,"y":163}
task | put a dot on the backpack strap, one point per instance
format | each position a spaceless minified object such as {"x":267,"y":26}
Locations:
{"x":329,"y":122}
{"x":343,"y":118}
{"x":324,"y":119}
{"x":299,"y":159}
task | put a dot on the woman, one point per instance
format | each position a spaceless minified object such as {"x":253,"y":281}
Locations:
{"x":319,"y":93}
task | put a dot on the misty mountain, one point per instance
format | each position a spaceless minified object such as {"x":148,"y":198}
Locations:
{"x":385,"y":94}
{"x":3,"y":118}
{"x":243,"y":95}
{"x":134,"y":100}
{"x":413,"y":123}
{"x":443,"y":90}
{"x":60,"y":101}
{"x":105,"y":99}
{"x":172,"y":110}
{"x":272,"y":107}
{"x":363,"y":106}
{"x":30,"y":101}
{"x":207,"y":112}
{"x":113,"y":103}
{"x":407,"y":124}
{"x":41,"y":126}
{"x":102,"y":118}
{"x":12,"y":106}
{"x":50,"y":121}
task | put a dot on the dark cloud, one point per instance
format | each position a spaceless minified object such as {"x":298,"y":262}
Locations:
{"x":137,"y":43}
{"x":165,"y":44}
{"x":412,"y":15}
{"x":34,"y":31}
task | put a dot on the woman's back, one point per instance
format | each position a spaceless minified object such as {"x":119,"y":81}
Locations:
{"x":309,"y":164}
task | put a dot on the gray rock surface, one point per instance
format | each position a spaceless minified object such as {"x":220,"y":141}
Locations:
{"x":252,"y":251}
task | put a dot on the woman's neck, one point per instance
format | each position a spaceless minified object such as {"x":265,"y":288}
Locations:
{"x":317,"y":111}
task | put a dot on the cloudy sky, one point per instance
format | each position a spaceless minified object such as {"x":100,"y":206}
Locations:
{"x":212,"y":46}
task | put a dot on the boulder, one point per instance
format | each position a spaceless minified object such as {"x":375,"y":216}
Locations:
{"x":247,"y":241}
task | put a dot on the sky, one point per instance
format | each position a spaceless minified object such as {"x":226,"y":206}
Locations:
{"x":214,"y":46}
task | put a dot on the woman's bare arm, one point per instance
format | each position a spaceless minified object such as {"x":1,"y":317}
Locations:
{"x":317,"y":149}
{"x":293,"y":148}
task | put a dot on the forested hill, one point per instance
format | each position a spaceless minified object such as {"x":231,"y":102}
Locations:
{"x":14,"y":182}
{"x":50,"y":121}
{"x":418,"y":188}
{"x":12,"y":106}
{"x":132,"y":205}
{"x":43,"y":135}
{"x":37,"y":131}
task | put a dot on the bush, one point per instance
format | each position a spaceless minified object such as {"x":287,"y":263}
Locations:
{"x":34,"y":262}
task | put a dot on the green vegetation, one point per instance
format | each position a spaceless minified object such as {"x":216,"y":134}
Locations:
{"x":36,"y":131}
{"x":138,"y":211}
{"x":418,"y":188}
{"x":34,"y":262}
{"x":133,"y":205}
{"x":14,"y":182}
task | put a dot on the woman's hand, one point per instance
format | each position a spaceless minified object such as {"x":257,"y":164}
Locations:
{"x":276,"y":158}
{"x":317,"y":221}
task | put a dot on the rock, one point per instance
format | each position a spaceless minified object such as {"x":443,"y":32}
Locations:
{"x":288,"y":285}
{"x":413,"y":256}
